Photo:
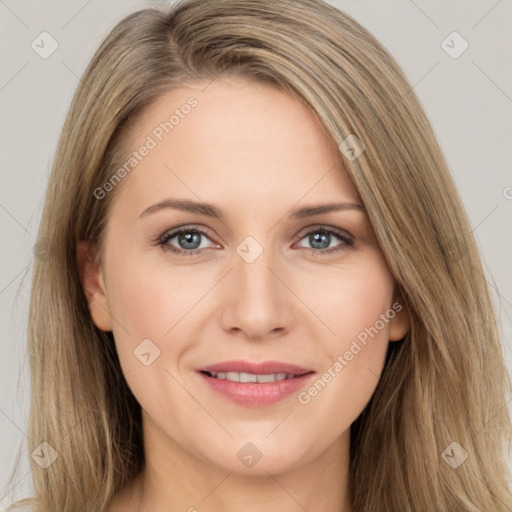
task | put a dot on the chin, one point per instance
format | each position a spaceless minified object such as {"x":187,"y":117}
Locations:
{"x":252,"y":459}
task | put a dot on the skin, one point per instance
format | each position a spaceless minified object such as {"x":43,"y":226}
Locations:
{"x":257,"y":153}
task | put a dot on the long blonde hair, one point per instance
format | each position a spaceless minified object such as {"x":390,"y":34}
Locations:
{"x":445,"y":383}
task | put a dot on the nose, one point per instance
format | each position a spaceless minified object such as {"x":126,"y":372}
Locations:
{"x":258,"y":304}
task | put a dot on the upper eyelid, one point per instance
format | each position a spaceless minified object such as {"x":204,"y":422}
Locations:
{"x":324,"y":227}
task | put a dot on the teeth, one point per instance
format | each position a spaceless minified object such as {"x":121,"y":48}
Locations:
{"x":248,"y":377}
{"x":251,"y":377}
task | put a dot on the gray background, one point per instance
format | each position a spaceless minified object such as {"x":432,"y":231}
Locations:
{"x":468,"y":100}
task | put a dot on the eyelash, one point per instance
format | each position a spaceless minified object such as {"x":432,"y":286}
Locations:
{"x":165,"y":237}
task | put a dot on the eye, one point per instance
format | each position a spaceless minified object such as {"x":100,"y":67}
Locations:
{"x":320,"y":240}
{"x":189,"y":241}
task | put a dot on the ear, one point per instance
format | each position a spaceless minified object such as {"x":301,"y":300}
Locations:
{"x":400,"y":324}
{"x":91,"y":276}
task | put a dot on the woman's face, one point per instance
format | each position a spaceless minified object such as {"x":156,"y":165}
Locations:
{"x":262,"y":271}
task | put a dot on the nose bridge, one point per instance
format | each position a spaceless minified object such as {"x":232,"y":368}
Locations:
{"x":259,"y":302}
{"x":253,"y":277}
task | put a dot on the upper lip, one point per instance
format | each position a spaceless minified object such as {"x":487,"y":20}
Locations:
{"x":263,"y":368}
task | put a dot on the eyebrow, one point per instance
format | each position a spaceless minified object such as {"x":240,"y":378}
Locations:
{"x":211,"y":210}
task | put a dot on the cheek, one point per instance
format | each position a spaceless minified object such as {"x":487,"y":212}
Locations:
{"x":151,"y":305}
{"x":149,"y":300}
{"x":156,"y":308}
{"x":349,"y":299}
{"x":357,"y":308}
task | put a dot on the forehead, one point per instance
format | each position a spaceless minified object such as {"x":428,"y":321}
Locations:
{"x":240,"y":139}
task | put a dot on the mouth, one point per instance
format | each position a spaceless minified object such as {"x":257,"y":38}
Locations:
{"x":255,"y":384}
{"x":252,"y":377}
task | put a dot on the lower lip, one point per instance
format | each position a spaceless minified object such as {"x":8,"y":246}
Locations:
{"x":256,"y":394}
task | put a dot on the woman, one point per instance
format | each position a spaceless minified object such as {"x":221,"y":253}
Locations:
{"x":261,"y":288}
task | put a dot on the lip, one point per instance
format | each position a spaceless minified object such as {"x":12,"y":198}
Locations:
{"x":256,"y":394}
{"x":264,"y":367}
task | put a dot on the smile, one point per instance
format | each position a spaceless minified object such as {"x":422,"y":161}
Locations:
{"x":255,"y":384}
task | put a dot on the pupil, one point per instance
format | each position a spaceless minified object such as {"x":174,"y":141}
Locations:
{"x":319,"y":237}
